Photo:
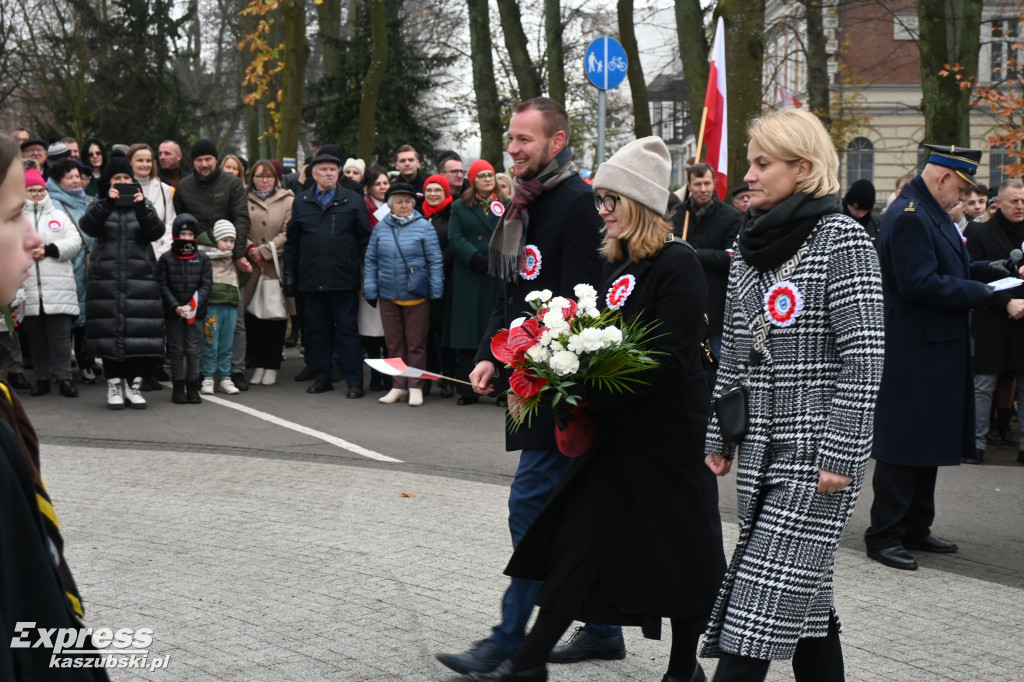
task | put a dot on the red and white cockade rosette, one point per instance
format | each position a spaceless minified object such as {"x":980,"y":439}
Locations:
{"x":562,"y":348}
{"x":530,"y":262}
{"x":619,"y":291}
{"x":783,"y":303}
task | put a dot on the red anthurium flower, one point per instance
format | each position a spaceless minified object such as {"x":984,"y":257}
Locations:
{"x":523,"y":337}
{"x":525,"y":383}
{"x":500,"y":348}
{"x":567,"y":313}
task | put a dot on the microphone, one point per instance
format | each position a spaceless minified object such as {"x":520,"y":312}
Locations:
{"x":1016,"y":256}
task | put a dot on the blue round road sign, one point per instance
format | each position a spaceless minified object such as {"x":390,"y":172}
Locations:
{"x":605,"y":63}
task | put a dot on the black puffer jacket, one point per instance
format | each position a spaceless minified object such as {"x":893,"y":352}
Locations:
{"x":124,"y":317}
{"x":180,"y":279}
{"x":713,"y":229}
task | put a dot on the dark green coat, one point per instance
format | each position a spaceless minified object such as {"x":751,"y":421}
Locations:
{"x":473,"y":292}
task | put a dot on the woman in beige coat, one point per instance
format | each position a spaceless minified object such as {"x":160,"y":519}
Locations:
{"x":270,"y":208}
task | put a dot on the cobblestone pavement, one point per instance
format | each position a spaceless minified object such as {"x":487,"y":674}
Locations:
{"x":252,"y":568}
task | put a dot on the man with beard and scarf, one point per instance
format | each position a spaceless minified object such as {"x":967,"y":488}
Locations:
{"x":710,"y":227}
{"x":998,"y":327}
{"x":858,"y":203}
{"x":548,"y":239}
{"x":924,"y":417}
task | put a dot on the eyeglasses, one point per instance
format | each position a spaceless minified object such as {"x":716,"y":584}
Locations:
{"x":608,"y":202}
{"x":456,"y":171}
{"x":264,"y":177}
{"x":485,"y":176}
{"x":35,"y":190}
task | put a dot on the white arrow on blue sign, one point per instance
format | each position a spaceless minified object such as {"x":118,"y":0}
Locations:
{"x":605,"y":62}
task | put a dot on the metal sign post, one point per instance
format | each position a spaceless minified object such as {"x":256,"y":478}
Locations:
{"x":605,"y":63}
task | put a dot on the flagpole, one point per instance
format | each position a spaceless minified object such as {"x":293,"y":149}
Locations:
{"x":696,"y":159}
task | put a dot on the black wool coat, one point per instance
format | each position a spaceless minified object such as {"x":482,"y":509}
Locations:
{"x":325,"y":247}
{"x":712,"y":230}
{"x":565,"y":228}
{"x":179,"y":279}
{"x":633,"y":529}
{"x":123,"y":313}
{"x":998,"y":339}
{"x":925,"y":411}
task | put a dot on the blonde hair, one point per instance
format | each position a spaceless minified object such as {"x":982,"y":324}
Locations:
{"x":793,"y":134}
{"x":238,"y":162}
{"x":647,"y":232}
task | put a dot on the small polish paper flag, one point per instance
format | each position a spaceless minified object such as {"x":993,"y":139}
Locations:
{"x":396,"y":367}
{"x":193,"y":305}
{"x":788,"y":98}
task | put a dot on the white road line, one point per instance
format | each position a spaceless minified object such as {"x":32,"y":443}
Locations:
{"x":326,"y":437}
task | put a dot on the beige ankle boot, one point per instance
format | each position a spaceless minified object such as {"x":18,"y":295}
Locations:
{"x":395,"y":395}
{"x":415,"y":397}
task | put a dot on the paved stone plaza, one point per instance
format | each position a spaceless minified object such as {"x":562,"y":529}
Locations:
{"x":255,"y":568}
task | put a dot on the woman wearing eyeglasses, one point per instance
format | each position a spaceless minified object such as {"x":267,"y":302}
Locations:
{"x":270,"y":209}
{"x":632,"y":534}
{"x":473,"y":220}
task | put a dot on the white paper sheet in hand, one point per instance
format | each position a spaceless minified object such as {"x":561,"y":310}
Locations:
{"x":1006,"y":283}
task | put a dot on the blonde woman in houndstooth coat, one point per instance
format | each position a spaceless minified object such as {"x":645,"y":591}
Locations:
{"x":812,"y":392}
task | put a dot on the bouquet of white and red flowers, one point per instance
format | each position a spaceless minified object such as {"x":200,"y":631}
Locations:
{"x":563,"y":347}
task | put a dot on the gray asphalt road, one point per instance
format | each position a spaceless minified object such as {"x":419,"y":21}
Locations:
{"x":980,"y":507}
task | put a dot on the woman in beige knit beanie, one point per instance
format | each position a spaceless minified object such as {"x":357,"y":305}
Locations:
{"x":632,"y":535}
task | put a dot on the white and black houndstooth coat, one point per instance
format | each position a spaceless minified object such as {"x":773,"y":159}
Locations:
{"x":812,"y":403}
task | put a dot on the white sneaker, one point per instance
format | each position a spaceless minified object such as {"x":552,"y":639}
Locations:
{"x":257,"y":376}
{"x":88,"y":375}
{"x":207,"y":387}
{"x":395,"y":395}
{"x":115,"y":397}
{"x":133,"y":394}
{"x":226,"y":385}
{"x":415,"y":397}
{"x":269,"y":377}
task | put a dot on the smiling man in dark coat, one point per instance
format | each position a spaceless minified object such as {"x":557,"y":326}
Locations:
{"x":925,"y":413}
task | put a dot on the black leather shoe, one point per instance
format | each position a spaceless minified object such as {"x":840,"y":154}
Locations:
{"x":320,"y":387}
{"x":503,"y":673}
{"x":697,"y":676}
{"x":979,"y":455}
{"x":584,"y":645}
{"x":483,"y":658}
{"x":239,"y":380}
{"x":931,"y":543}
{"x":894,"y":557}
{"x":41,"y":388}
{"x":447,"y":389}
{"x":467,"y":400}
{"x":306,"y":374}
{"x":67,"y":388}
{"x":18,"y":381}
{"x":354,"y":392}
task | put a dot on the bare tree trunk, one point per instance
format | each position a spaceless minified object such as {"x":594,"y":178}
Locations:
{"x":516,"y":44}
{"x":484,"y":85}
{"x":950,"y":35}
{"x":693,"y":50}
{"x":328,"y":15}
{"x":818,"y":90}
{"x":635,"y":70}
{"x":556,"y":50}
{"x":744,"y":63}
{"x":374,"y":77}
{"x":293,"y":77}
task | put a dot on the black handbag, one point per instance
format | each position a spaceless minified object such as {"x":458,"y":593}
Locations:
{"x":418,"y":283}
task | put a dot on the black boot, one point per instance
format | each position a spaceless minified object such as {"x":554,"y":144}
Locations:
{"x":178,"y":395}
{"x":447,"y":389}
{"x":292,"y":339}
{"x":1003,"y":426}
{"x":192,"y":392}
{"x":376,"y":380}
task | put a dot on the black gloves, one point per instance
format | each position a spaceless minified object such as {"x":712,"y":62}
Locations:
{"x":998,"y":269}
{"x":478,"y":263}
{"x":372,"y":302}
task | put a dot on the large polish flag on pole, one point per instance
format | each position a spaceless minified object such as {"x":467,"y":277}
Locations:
{"x":716,"y":130}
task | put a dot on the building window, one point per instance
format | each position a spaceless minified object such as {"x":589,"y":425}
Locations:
{"x":997,"y":157}
{"x":1005,"y":46}
{"x":860,"y":161}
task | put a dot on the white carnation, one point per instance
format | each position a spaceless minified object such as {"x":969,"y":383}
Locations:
{"x":554,"y":321}
{"x":558,"y":302}
{"x":540,"y":296}
{"x":593,"y":313}
{"x":583,"y":291}
{"x":564,"y":362}
{"x":576,"y":344}
{"x":592,"y":339}
{"x":538,"y":353}
{"x":556,"y":346}
{"x":612,"y":336}
{"x":586,"y":305}
{"x":545,"y":338}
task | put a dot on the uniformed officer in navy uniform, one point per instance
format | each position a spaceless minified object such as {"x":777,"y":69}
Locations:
{"x":925,"y":413}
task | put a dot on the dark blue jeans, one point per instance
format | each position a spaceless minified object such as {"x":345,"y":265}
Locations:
{"x":538,"y":473}
{"x":330,"y":315}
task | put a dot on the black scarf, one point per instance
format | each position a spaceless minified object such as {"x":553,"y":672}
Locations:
{"x":184,"y":249}
{"x":770,"y":238}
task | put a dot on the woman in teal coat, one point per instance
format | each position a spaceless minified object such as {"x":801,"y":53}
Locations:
{"x":473,"y":291}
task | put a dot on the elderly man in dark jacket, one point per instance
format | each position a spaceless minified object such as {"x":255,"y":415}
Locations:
{"x":998,"y":327}
{"x":327,"y":237}
{"x":711,"y":230}
{"x":925,"y":413}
